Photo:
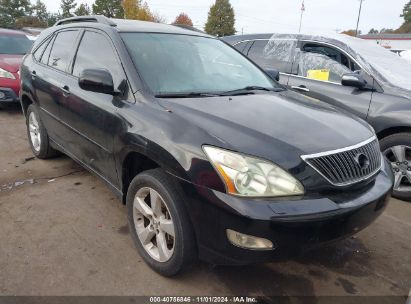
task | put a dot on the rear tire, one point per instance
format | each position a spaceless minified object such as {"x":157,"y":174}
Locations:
{"x":159,"y":223}
{"x":397,"y":148}
{"x":37,"y":135}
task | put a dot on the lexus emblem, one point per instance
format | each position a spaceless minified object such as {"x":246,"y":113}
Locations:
{"x":362,"y":161}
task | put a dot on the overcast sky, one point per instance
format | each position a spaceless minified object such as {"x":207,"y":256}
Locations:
{"x":283,"y":15}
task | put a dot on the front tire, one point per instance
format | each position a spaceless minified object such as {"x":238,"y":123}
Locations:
{"x":37,"y":135}
{"x":159,"y":224}
{"x":397,"y":149}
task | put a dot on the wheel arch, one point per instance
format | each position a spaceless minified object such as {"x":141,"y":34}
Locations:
{"x":25,"y":101}
{"x":393,"y":130}
{"x":137,"y":159}
{"x":133,"y":163}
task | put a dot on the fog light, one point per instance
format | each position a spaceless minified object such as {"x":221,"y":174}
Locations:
{"x":2,"y":95}
{"x":248,"y":241}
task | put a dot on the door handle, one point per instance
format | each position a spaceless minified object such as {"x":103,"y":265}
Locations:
{"x":301,"y":88}
{"x":66,"y":91}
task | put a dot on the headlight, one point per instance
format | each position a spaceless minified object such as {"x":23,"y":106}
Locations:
{"x":6,"y":74}
{"x":249,"y":176}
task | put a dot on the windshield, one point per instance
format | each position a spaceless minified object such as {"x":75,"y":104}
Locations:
{"x":171,"y":63}
{"x":390,"y":67}
{"x":14,"y":44}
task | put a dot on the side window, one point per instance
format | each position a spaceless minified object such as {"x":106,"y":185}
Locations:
{"x":240,"y":46}
{"x":256,"y":51}
{"x":39,"y":52}
{"x":46,"y":54}
{"x":274,"y":53}
{"x":331,"y":53}
{"x":320,"y":67}
{"x":61,"y":52}
{"x":95,"y":51}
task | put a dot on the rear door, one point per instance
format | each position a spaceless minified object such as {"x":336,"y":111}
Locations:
{"x":47,"y":77}
{"x":274,"y":54}
{"x":91,"y":118}
{"x":317,"y":72}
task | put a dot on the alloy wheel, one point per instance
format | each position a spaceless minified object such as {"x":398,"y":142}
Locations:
{"x":153,"y":224}
{"x":34,"y":131}
{"x":400,"y":158}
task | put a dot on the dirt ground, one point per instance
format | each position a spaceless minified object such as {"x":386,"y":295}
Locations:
{"x":62,"y":232}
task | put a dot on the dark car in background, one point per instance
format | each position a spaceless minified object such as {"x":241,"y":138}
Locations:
{"x":212,"y":157}
{"x":355,"y":75}
{"x":13,"y":46}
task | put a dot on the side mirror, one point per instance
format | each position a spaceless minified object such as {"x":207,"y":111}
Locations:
{"x":353,"y":80}
{"x":274,"y":74}
{"x":97,"y":80}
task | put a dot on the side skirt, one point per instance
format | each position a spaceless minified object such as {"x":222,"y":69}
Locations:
{"x":112,"y":187}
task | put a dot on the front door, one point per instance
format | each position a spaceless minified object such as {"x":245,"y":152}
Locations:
{"x":318,"y":70}
{"x":91,"y":118}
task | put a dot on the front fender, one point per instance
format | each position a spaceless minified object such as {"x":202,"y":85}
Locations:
{"x":169,"y":141}
{"x":399,"y":120}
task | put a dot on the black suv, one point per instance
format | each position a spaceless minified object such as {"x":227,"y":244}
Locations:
{"x":355,"y":75}
{"x":211,"y":155}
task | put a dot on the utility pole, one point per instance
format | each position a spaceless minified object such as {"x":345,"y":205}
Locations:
{"x":301,"y":17}
{"x":358,"y":21}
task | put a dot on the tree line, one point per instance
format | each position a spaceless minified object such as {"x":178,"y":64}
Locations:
{"x":23,"y":13}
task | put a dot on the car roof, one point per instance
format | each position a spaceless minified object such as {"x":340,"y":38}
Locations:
{"x":4,"y":31}
{"x":237,"y":38}
{"x":315,"y":36}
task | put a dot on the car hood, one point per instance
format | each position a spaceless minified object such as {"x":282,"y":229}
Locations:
{"x":272,"y":125}
{"x":397,"y":91}
{"x":11,"y":63}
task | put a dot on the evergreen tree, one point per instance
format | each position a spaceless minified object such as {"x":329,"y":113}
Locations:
{"x":39,"y":10}
{"x":406,"y":13}
{"x":11,"y":10}
{"x":53,"y":18}
{"x":109,"y":8}
{"x":82,"y":10}
{"x":66,"y":7}
{"x":221,"y":19}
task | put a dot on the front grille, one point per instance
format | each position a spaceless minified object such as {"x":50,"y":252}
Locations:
{"x":348,"y":166}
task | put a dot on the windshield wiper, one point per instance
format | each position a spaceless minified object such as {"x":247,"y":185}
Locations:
{"x":249,"y":90}
{"x":244,"y":91}
{"x":186,"y":95}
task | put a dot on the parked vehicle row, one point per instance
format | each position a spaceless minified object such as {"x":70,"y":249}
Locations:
{"x":213,"y":158}
{"x":13,"y":46}
{"x":352,"y":74}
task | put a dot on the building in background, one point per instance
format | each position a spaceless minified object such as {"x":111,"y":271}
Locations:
{"x":393,"y":42}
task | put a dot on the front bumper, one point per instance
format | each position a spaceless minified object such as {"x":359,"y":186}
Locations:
{"x":8,"y":95}
{"x":291,"y":224}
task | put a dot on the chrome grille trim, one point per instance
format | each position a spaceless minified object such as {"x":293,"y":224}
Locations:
{"x":340,"y":168}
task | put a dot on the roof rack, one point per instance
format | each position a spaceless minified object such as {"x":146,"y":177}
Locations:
{"x":93,"y":18}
